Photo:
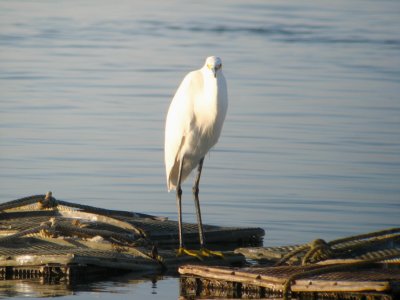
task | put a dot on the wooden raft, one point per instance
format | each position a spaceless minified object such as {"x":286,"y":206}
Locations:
{"x":48,"y":238}
{"x":353,"y":267}
{"x":256,"y":282}
{"x":364,"y":247}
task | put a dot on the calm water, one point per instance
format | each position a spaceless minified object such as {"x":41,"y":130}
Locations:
{"x":310,"y":146}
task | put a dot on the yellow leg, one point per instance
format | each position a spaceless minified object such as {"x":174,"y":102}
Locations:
{"x":199,"y":254}
{"x":209,"y":253}
{"x":183,"y":251}
{"x":203,"y":252}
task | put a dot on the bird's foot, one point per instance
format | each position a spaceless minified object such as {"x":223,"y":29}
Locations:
{"x":199,"y":254}
{"x":183,"y":251}
{"x":204,"y":252}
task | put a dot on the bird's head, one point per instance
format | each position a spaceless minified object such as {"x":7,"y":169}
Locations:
{"x":214,"y":64}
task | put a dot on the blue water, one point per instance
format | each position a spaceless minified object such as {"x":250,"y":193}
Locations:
{"x":310,"y":146}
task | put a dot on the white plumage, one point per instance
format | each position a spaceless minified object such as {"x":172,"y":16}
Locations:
{"x":195,"y":118}
{"x":194,"y":123}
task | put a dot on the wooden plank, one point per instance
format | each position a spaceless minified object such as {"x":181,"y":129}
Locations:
{"x":100,"y":218}
{"x":218,"y":274}
{"x":136,"y":264}
{"x":173,"y":262}
{"x":354,"y":260}
{"x":274,"y":283}
{"x":306,"y":285}
{"x":35,"y":260}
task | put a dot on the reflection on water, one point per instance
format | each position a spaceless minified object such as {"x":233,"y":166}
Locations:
{"x":311,"y":143}
{"x":115,"y":285}
{"x":33,"y":288}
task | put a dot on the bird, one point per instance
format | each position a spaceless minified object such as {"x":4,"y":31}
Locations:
{"x":193,"y":126}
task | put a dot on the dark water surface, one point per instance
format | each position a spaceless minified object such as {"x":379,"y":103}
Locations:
{"x":310,"y":146}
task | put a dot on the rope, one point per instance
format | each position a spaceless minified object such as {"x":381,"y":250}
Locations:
{"x":55,"y":228}
{"x":21,"y":202}
{"x":333,"y":268}
{"x":31,"y":231}
{"x":319,"y":250}
{"x":52,"y":228}
{"x":47,"y":201}
{"x":292,"y":253}
{"x":365,"y":236}
{"x":65,"y":229}
{"x":41,"y":202}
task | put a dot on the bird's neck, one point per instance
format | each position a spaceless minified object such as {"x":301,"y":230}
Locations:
{"x":207,"y":106}
{"x":211,"y":91}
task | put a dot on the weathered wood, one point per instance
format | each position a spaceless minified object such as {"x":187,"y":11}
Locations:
{"x":232,"y":275}
{"x":378,"y":280}
{"x":305,"y":285}
{"x":35,"y":260}
{"x":156,"y":229}
{"x":174,"y":263}
{"x":354,"y":260}
{"x":365,"y":247}
{"x":267,"y":253}
{"x":100,"y":218}
{"x":35,"y":235}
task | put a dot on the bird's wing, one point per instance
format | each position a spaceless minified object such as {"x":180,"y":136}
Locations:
{"x":179,"y":117}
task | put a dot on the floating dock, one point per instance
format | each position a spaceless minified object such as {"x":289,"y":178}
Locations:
{"x":271,"y":282}
{"x":55,"y":241}
{"x":358,"y":267}
{"x":42,"y":237}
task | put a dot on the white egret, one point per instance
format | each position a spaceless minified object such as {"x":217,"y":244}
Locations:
{"x":193,"y":126}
